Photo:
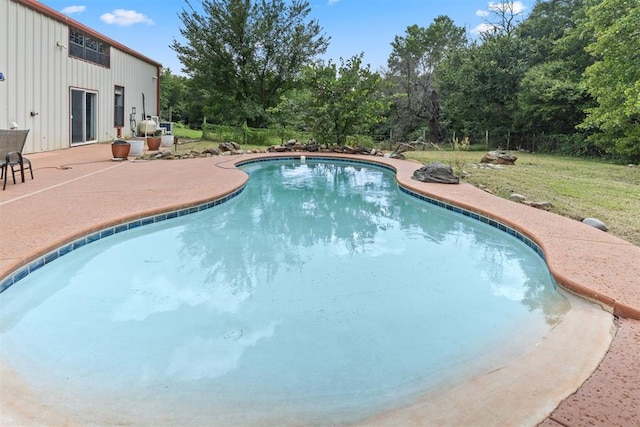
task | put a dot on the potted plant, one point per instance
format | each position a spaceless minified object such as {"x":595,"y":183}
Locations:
{"x":153,"y":142}
{"x":120,"y":149}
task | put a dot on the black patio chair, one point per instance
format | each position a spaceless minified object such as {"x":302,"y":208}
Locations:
{"x":11,"y":146}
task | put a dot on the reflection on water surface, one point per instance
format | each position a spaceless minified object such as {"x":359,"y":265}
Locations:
{"x":321,"y":289}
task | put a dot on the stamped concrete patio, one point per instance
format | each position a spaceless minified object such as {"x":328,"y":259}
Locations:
{"x":80,"y":190}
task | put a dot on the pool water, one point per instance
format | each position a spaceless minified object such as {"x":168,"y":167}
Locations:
{"x":320,"y":294}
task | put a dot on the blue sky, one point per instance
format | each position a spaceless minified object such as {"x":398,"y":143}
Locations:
{"x":354,"y":26}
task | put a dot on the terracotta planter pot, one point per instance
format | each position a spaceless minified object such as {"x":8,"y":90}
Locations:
{"x":120,"y":149}
{"x":153,"y":142}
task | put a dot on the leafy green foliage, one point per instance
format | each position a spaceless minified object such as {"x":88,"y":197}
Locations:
{"x":345,"y":100}
{"x":566,"y":79}
{"x":549,"y":22}
{"x":411,"y":73}
{"x":614,"y":79}
{"x":173,"y":92}
{"x":290,"y":111}
{"x":551,"y":98}
{"x":244,"y":54}
{"x":479,"y":87}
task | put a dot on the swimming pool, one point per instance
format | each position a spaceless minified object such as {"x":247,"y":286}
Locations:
{"x":219,"y":308}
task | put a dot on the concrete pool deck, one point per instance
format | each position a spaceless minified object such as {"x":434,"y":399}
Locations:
{"x":80,"y":190}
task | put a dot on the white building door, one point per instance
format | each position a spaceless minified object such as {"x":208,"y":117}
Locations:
{"x":83,"y":116}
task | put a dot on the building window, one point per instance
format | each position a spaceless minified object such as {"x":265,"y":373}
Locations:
{"x":118,"y":107}
{"x":84,"y":46}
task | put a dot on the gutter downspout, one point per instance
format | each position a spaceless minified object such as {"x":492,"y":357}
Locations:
{"x":158,"y":69}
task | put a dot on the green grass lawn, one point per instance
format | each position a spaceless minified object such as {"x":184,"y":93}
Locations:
{"x":186,"y":133}
{"x":577,"y":188}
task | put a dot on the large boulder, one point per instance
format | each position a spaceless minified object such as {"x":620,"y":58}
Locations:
{"x":229,"y":146}
{"x":499,"y":158}
{"x":436,"y":172}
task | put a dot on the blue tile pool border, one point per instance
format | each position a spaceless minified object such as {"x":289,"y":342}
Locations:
{"x":40,"y":262}
{"x":478,"y":217}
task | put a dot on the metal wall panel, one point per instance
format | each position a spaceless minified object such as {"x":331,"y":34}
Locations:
{"x":39,"y":75}
{"x":4,"y":62}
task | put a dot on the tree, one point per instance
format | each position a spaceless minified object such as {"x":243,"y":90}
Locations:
{"x":551,"y":100}
{"x":552,"y":96}
{"x":614,"y":79}
{"x":173,"y":90}
{"x":479,"y":86}
{"x":290,"y":111}
{"x":504,"y":16}
{"x":548,"y":23}
{"x":345,"y":100}
{"x":245,"y":53}
{"x":411,"y":67}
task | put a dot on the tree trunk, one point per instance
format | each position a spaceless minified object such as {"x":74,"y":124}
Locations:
{"x":434,"y":130}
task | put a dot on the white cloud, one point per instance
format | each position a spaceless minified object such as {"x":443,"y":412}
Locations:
{"x":515,"y":7}
{"x":508,"y":8}
{"x":333,"y":2}
{"x":124,"y":18}
{"x":70,"y":10}
{"x":483,"y":28}
{"x":518,"y":7}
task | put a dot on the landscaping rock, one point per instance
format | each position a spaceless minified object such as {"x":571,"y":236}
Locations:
{"x":211,"y":151}
{"x":594,"y":222}
{"x":517,"y":197}
{"x":545,"y":206}
{"x":436,"y":172}
{"x":499,"y":158}
{"x":347,"y":149}
{"x":229,"y":146}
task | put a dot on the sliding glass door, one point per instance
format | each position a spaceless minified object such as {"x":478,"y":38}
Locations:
{"x":83,"y":116}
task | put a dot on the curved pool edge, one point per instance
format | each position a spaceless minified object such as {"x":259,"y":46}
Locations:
{"x":513,"y":394}
{"x":491,"y":398}
{"x":60,"y":193}
{"x":577,"y":255}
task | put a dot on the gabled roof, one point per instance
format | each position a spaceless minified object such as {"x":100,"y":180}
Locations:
{"x":54,"y":14}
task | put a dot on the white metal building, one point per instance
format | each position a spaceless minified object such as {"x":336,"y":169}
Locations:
{"x":67,"y":83}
